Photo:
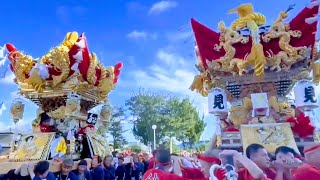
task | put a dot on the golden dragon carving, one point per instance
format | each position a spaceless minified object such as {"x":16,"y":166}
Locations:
{"x":21,"y":65}
{"x":105,"y":82}
{"x":205,"y":81}
{"x":228,"y":63}
{"x":26,"y":72}
{"x":288,"y":54}
{"x":58,"y":57}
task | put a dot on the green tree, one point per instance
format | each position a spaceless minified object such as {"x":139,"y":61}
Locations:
{"x":148,"y":109}
{"x":174,"y":118}
{"x":186,"y":124}
{"x":116,"y":128}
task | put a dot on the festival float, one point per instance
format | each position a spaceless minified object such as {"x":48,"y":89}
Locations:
{"x":65,"y":84}
{"x":255,"y":68}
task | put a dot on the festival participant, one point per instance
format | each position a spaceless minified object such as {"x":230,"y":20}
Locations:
{"x":248,"y":171}
{"x":109,"y":169}
{"x":115,"y":159}
{"x":145,"y":160}
{"x":175,"y":158}
{"x":137,"y":168}
{"x":66,"y":171}
{"x":41,"y":171}
{"x":289,"y":157}
{"x":152,"y":160}
{"x":195,"y":161}
{"x":285,"y":153}
{"x":206,"y":159}
{"x":259,"y":155}
{"x":163,"y":168}
{"x":185,"y":160}
{"x":128,"y":166}
{"x":120,"y":169}
{"x":10,"y":175}
{"x":46,"y":123}
{"x":82,"y":170}
{"x":97,"y":172}
{"x":311,"y":168}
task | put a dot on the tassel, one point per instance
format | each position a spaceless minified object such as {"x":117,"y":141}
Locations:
{"x":78,"y":56}
{"x":313,"y":4}
{"x":75,"y":67}
{"x":81,"y":44}
{"x":258,"y":59}
{"x":311,"y":20}
{"x":37,"y":76}
{"x":43,"y":71}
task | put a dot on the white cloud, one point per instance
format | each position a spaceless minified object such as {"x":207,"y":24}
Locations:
{"x":180,"y":36}
{"x":162,"y":6}
{"x":2,"y":108}
{"x":170,"y":59}
{"x":9,"y":78}
{"x":135,"y":34}
{"x":66,"y":13}
{"x":171,"y":73}
{"x":174,"y":74}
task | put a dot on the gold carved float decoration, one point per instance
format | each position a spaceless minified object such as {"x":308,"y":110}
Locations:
{"x":65,"y":83}
{"x":67,"y":67}
{"x":228,"y":62}
{"x":249,"y":46}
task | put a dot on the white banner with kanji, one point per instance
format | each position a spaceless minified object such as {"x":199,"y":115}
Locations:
{"x":217,"y":101}
{"x":304,"y":93}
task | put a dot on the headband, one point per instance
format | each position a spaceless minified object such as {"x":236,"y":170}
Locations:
{"x":163,"y":164}
{"x":312,"y":148}
{"x":209,"y":159}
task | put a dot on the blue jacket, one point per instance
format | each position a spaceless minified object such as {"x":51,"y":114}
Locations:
{"x":109,"y":173}
{"x":87,"y":174}
{"x":120,"y":172}
{"x":97,"y":173}
{"x":71,"y":176}
{"x":50,"y":176}
{"x":138,"y":170}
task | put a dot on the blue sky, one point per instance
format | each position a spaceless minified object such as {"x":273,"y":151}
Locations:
{"x":152,"y":38}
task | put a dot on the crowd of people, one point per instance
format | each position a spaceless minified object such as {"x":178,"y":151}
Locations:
{"x":254,"y":164}
{"x":111,"y":167}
